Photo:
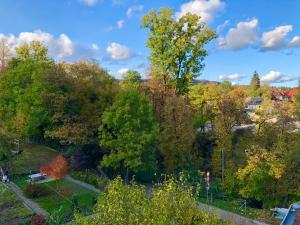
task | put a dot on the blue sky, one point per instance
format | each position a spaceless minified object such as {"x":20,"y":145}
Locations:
{"x":260,"y":35}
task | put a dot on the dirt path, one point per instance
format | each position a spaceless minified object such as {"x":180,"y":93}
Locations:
{"x":82,"y":184}
{"x":232,"y":217}
{"x":32,"y":205}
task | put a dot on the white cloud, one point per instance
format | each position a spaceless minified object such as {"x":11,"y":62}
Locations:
{"x":204,"y":8}
{"x":119,"y":52}
{"x":121,"y":72}
{"x":276,"y":77}
{"x":244,"y":34}
{"x":276,"y":39}
{"x":234,"y":76}
{"x":120,"y":24}
{"x":89,"y":2}
{"x":60,"y":47}
{"x":222,"y":26}
{"x":295,"y":42}
{"x":133,"y":9}
{"x":95,"y":47}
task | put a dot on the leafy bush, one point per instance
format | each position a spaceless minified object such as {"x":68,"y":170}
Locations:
{"x":56,"y":217}
{"x":91,"y":178}
{"x":35,"y":191}
{"x":171,"y":202}
{"x":38,"y":220}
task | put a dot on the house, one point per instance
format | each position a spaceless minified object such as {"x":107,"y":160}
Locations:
{"x":253,"y":103}
{"x":278,"y":94}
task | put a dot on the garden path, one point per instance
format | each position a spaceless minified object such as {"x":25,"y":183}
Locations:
{"x":82,"y":184}
{"x":235,"y":218}
{"x":32,"y":205}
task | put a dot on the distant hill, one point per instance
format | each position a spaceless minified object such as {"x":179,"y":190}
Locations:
{"x":205,"y":82}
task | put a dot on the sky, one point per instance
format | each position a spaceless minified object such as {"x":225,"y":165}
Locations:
{"x":261,"y":35}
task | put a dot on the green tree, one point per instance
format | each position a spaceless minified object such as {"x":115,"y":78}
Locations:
{"x":129,"y":132}
{"x":261,"y":176}
{"x":177,"y":47}
{"x":77,"y":96}
{"x":21,"y":91}
{"x":132,"y":78}
{"x":172,"y":202}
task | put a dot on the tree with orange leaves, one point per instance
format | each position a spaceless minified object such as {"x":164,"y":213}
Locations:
{"x":57,"y":168}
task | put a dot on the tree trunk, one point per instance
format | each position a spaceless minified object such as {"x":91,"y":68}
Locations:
{"x":127,"y":176}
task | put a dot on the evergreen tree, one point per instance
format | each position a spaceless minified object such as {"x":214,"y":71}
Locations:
{"x":255,"y":84}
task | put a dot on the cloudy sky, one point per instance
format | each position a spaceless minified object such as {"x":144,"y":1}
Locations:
{"x":260,"y":35}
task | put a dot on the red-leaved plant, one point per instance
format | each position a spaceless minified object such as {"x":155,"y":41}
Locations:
{"x":57,"y":168}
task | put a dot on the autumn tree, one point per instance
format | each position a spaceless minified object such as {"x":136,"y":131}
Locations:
{"x":297,"y":100}
{"x":129,"y":133}
{"x":77,"y":97}
{"x":57,"y":168}
{"x":229,"y":113}
{"x":177,"y":47}
{"x":4,"y":54}
{"x":177,"y":134}
{"x":21,"y":90}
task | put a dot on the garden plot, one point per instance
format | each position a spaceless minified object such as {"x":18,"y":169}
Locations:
{"x":57,"y":194}
{"x":12,"y":210}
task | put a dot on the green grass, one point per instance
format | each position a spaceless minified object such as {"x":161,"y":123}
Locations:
{"x":59,"y":194}
{"x":32,"y":158}
{"x":12,"y":210}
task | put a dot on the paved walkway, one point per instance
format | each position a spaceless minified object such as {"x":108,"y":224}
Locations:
{"x":82,"y":184}
{"x":235,"y":218}
{"x":32,"y":205}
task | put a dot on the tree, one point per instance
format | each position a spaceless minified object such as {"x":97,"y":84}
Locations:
{"x":177,"y":134}
{"x":76,"y":98}
{"x":255,"y":84}
{"x":4,"y":54}
{"x":229,"y":113}
{"x":132,"y":78}
{"x":171,"y":202}
{"x":57,"y":168}
{"x":129,"y":133}
{"x":7,"y":147}
{"x":177,"y":47}
{"x":261,"y":175}
{"x":297,"y":100}
{"x":21,"y":90}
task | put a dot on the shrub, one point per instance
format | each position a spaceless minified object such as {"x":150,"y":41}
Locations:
{"x":38,"y":220}
{"x":35,"y":191}
{"x":103,"y":183}
{"x":57,"y":168}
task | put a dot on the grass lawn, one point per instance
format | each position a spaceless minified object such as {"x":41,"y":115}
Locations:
{"x":60,"y":194}
{"x":32,"y":158}
{"x":234,"y":206}
{"x":12,"y":210}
